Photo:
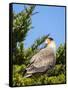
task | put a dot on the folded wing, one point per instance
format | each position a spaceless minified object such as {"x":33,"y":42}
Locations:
{"x":42,"y":61}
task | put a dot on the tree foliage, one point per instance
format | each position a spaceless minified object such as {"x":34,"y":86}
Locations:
{"x":22,"y":23}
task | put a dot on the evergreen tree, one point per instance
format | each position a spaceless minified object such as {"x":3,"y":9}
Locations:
{"x":21,"y":25}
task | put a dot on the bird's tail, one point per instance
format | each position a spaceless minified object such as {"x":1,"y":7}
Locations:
{"x":26,"y":74}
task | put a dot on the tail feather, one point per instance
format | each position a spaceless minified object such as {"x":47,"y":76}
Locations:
{"x":24,"y":71}
{"x":27,"y":75}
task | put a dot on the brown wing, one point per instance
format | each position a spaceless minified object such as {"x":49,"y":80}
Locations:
{"x":44,"y":58}
{"x":42,"y":61}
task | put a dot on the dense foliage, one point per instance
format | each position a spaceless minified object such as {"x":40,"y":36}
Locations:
{"x":21,"y":56}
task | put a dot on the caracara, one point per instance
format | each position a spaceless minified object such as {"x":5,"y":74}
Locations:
{"x":43,"y":60}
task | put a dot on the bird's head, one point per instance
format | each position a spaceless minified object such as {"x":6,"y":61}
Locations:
{"x":49,"y":42}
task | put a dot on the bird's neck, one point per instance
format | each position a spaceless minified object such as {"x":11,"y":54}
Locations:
{"x":52,"y":45}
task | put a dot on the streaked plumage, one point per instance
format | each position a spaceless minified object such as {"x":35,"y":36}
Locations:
{"x":43,"y":60}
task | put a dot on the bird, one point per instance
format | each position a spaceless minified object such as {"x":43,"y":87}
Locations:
{"x":44,"y":60}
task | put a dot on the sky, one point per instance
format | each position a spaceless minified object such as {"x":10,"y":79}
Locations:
{"x":49,"y":20}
